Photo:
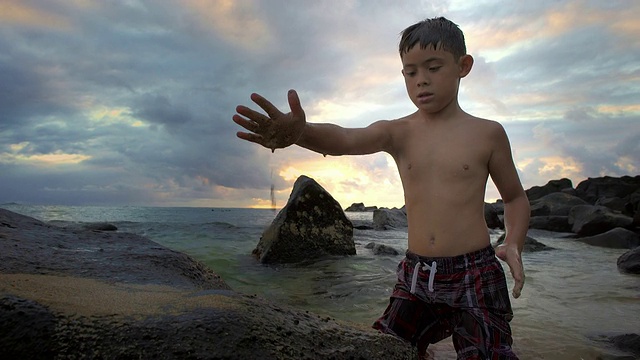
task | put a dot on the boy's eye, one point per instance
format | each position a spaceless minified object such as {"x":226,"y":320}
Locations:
{"x":434,"y":68}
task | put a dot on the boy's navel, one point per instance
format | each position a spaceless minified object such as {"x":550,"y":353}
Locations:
{"x":409,"y":167}
{"x":465,"y":167}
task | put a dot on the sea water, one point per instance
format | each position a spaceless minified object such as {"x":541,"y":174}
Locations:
{"x":573,"y":295}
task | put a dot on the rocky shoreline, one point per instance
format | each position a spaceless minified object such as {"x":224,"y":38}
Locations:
{"x":77,"y":293}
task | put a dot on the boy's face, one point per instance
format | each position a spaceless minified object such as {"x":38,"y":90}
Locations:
{"x":432,"y":77}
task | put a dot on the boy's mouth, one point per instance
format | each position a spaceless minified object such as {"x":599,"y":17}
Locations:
{"x":425,"y":96}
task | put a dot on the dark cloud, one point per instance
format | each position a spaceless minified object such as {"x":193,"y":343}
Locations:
{"x":146,"y":91}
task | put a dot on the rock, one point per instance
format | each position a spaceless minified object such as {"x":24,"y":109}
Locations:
{"x":530,"y":244}
{"x":100,"y":227}
{"x":491,"y":217}
{"x":617,"y":238}
{"x":552,"y":186}
{"x":310,"y":226}
{"x":587,"y":220}
{"x":629,"y":262}
{"x":555,"y":204}
{"x":381,"y":249}
{"x":359,"y":207}
{"x":550,"y":223}
{"x":386,"y":219}
{"x":145,"y":301}
{"x":32,"y":247}
{"x":593,"y":189}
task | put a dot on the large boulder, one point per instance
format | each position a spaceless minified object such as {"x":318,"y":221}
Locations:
{"x":553,"y":186}
{"x":555,"y":204}
{"x":629,"y":262}
{"x":387,"y":219}
{"x":71,"y":294}
{"x":588,"y":220}
{"x":310,"y":226}
{"x":617,"y":238}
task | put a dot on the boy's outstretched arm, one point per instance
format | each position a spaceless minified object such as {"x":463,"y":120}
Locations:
{"x":277,"y":130}
{"x":516,"y":208}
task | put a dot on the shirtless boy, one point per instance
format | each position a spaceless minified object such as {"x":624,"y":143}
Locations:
{"x":450,"y":282}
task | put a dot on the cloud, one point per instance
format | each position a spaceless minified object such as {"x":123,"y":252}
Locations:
{"x":131,"y":102}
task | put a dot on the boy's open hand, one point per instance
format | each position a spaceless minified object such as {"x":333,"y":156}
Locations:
{"x":511,"y":255}
{"x":275,"y":130}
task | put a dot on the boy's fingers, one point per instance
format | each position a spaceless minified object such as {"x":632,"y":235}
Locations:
{"x":255,"y":138}
{"x":247,"y":124}
{"x":266,"y":105}
{"x":251,"y":114}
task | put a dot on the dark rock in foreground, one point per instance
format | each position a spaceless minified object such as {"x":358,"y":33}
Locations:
{"x":530,"y":244}
{"x":381,"y":249}
{"x":310,"y":226}
{"x":617,"y":238}
{"x":587,"y":220}
{"x":86,"y":294}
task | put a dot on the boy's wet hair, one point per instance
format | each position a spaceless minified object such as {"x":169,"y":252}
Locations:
{"x":438,"y":33}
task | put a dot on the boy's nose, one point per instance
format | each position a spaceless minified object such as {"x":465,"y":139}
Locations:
{"x":423,"y":79}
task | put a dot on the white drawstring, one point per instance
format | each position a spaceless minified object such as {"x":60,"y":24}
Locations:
{"x":432,"y":274}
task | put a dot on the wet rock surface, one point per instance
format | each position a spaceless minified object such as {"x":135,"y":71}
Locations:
{"x":90,"y":294}
{"x":311,"y":225}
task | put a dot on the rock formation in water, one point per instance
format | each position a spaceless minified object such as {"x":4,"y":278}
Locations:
{"x":311,"y":225}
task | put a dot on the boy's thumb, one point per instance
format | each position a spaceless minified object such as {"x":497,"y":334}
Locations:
{"x":294,"y":102}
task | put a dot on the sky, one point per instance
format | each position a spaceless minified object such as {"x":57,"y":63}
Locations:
{"x":130,"y":102}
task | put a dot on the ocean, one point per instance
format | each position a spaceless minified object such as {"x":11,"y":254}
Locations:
{"x":573,"y":296}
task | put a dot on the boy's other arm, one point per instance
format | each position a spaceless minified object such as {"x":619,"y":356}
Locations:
{"x":516,"y":206}
{"x":278,"y":130}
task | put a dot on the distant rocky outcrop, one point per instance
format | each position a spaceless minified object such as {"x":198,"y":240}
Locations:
{"x":359,"y":207}
{"x":311,"y":225}
{"x":553,"y":186}
{"x":72,"y":294}
{"x":386,"y":219}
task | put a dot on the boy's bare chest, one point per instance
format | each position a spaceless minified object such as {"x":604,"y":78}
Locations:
{"x":448,"y":156}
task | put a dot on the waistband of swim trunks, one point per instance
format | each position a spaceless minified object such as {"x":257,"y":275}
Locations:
{"x":453,"y":264}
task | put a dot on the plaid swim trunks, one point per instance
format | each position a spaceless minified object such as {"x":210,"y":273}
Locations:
{"x":464,"y":296}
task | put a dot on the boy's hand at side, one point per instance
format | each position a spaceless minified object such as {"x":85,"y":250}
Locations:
{"x":275,"y":130}
{"x":511,"y":255}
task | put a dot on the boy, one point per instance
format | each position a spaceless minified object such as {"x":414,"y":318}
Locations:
{"x":450,"y":282}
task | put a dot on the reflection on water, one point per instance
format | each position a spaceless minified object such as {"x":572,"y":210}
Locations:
{"x":572,"y":295}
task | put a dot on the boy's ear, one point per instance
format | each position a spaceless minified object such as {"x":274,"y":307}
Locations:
{"x":466,"y":63}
